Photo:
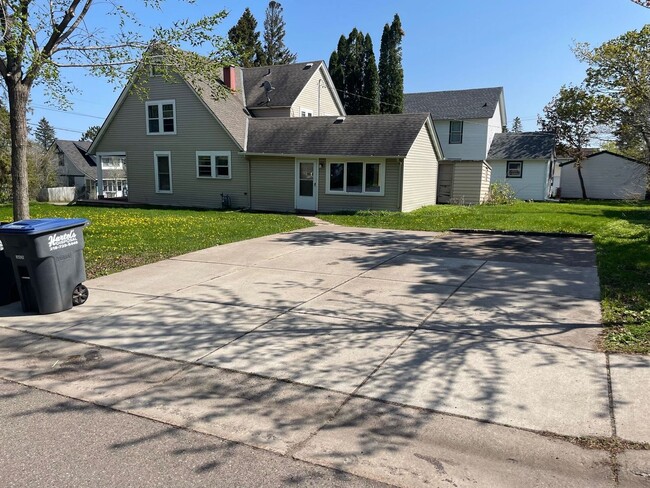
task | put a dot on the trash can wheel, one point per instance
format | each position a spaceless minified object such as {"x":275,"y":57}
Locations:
{"x":79,"y":295}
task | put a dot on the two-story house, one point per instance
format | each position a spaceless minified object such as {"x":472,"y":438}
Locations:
{"x":466,"y":122}
{"x":76,"y":167}
{"x":471,"y":125}
{"x":278,"y":140}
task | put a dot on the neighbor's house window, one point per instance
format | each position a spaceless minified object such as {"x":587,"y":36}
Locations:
{"x":162,"y":165}
{"x":356,"y":178}
{"x":456,"y":132}
{"x":161,"y":117}
{"x":514,"y":169}
{"x":113,"y":162}
{"x":213,"y":164}
{"x":305,"y":112}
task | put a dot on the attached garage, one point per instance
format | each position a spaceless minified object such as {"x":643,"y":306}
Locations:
{"x":606,"y":176}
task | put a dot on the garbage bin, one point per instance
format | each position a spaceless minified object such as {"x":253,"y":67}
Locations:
{"x":48,"y":263}
{"x":8,"y":289}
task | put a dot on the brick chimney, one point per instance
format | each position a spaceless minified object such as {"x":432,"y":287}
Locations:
{"x":229,"y":78}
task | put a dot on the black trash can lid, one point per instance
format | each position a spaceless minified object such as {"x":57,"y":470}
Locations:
{"x":40,"y":226}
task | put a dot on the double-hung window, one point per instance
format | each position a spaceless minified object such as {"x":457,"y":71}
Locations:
{"x":305,"y":112}
{"x":514,"y":169}
{"x":456,"y":132}
{"x":213,"y":164}
{"x":161,"y":117}
{"x":365,"y":178}
{"x":162,"y":165}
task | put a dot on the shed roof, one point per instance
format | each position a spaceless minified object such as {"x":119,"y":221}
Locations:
{"x":598,"y":153}
{"x":76,"y":152}
{"x":478,"y":103}
{"x":355,"y":135}
{"x":522,"y":145}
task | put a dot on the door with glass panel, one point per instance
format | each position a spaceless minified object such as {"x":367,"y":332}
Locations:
{"x":306,"y":185}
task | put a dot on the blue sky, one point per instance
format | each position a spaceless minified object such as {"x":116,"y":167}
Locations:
{"x":523,"y":45}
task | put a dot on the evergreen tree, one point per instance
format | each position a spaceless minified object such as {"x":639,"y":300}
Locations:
{"x":516,"y":125}
{"x":275,"y":52}
{"x":44,"y":133}
{"x":370,"y":101}
{"x":391,"y":73}
{"x":245,"y":40}
{"x":354,"y":72}
{"x":90,"y":133}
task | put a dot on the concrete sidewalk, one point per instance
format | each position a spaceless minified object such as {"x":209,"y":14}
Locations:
{"x":395,"y":355}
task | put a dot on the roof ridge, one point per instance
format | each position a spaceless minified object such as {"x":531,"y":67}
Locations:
{"x":456,"y":90}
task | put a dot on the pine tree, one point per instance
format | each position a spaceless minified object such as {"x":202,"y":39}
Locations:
{"x":391,"y":73}
{"x":44,"y":133}
{"x":370,"y":93}
{"x":275,"y":52}
{"x":516,"y":125}
{"x":91,"y":133}
{"x":245,"y":40}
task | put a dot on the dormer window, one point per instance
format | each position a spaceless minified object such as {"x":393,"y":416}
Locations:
{"x":161,"y":117}
{"x":456,"y":132}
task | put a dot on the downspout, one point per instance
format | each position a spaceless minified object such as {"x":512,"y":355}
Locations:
{"x":399,"y":187}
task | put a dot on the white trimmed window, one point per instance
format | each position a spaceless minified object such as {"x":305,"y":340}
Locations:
{"x":162,"y":166}
{"x":156,"y":66}
{"x":456,"y":132}
{"x":355,"y":178}
{"x":213,"y":164}
{"x":305,"y":112}
{"x":161,"y":117}
{"x":514,"y":169}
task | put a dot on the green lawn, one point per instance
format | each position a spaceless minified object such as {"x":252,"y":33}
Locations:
{"x":121,"y":238}
{"x":621,"y":234}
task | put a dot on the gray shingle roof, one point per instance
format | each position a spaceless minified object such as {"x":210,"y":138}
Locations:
{"x":75,"y":151}
{"x":357,"y":135}
{"x":479,"y":103}
{"x":522,"y":145}
{"x":229,"y":110}
{"x":288,"y":80}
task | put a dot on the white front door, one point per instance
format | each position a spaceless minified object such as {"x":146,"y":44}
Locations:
{"x":306,"y":185}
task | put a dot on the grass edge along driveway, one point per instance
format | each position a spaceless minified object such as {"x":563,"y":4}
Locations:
{"x":621,"y":235}
{"x":122,"y":238}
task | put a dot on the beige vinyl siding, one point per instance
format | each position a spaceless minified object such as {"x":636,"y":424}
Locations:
{"x":334,"y":203}
{"x":308,"y":98}
{"x":420,"y":185}
{"x":196,"y":130}
{"x":607,"y":177}
{"x":485,"y":182}
{"x":468,"y":179}
{"x":273,"y":183}
{"x":271,"y":112}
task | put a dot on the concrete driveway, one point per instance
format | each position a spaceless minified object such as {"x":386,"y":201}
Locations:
{"x":487,"y":327}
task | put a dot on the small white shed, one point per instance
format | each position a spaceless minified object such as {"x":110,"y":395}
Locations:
{"x":607,"y":176}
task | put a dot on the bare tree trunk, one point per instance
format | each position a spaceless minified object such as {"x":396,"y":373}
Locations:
{"x":18,"y":99}
{"x":582,"y":183}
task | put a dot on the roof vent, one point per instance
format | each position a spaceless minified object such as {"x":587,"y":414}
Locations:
{"x":339,"y":120}
{"x":308,"y":65}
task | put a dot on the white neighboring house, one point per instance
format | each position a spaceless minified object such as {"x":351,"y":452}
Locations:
{"x":607,"y":176}
{"x":524,"y":160}
{"x":75,"y":167}
{"x":79,"y":169}
{"x":466,"y":122}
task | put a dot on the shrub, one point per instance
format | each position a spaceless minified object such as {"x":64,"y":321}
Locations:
{"x":501,"y":193}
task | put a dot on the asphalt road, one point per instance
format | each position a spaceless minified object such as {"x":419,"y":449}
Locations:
{"x":49,"y":440}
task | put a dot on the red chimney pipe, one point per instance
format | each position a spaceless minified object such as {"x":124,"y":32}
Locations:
{"x":229,"y":78}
